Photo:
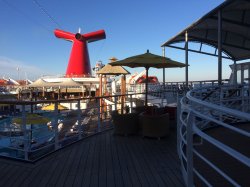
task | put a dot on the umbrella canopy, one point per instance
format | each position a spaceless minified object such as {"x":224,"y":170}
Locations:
{"x":52,"y":107}
{"x":148,"y":60}
{"x":32,"y":119}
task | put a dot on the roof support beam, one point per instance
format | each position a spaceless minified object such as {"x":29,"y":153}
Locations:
{"x":242,"y":24}
{"x":213,"y":42}
{"x":195,"y":51}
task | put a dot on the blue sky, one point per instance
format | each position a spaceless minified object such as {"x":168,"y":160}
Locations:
{"x":27,"y":40}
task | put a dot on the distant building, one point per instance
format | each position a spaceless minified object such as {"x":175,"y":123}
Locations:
{"x":98,"y":66}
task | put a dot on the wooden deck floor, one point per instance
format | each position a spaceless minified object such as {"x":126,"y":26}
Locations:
{"x":101,"y":160}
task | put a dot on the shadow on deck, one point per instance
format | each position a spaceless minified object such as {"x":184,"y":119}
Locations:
{"x":101,"y":160}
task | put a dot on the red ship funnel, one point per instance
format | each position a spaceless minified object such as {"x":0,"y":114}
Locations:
{"x":79,"y":64}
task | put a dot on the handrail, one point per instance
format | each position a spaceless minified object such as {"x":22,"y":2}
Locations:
{"x":216,"y":169}
{"x":217,"y":107}
{"x":81,"y":125}
{"x":242,"y":158}
{"x":196,"y":107}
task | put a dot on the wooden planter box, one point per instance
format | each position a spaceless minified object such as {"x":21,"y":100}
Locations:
{"x":156,"y":126}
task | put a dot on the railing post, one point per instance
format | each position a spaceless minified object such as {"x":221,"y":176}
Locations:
{"x":79,"y":119}
{"x":189,"y":151}
{"x":243,"y":99}
{"x":178,"y":126}
{"x":26,"y":137}
{"x":131,"y":103}
{"x":99,"y":116}
{"x":248,"y":89}
{"x":55,"y":125}
{"x":115,"y":103}
{"x":162,"y":99}
{"x":241,"y":74}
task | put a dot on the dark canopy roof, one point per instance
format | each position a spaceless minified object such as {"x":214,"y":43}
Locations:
{"x":235,"y":30}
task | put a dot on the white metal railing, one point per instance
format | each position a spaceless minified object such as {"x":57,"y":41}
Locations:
{"x":173,"y":86}
{"x":30,"y":142}
{"x":25,"y":141}
{"x":202,"y":108}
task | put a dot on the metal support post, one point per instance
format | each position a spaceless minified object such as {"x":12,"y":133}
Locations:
{"x":186,"y":58}
{"x":115,"y":103}
{"x":79,"y":119}
{"x":99,"y":115}
{"x":55,"y":125}
{"x":146,"y":89}
{"x":235,"y":73}
{"x":219,"y":47}
{"x":131,"y":103}
{"x":163,"y":54}
{"x":242,"y":74}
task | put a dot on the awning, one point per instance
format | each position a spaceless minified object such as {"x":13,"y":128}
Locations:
{"x":66,"y":83}
{"x":235,"y":30}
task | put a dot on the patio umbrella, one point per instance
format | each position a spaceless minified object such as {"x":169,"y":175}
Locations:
{"x":148,"y":60}
{"x":52,"y":107}
{"x":32,"y":119}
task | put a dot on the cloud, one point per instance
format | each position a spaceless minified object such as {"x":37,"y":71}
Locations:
{"x":17,"y":69}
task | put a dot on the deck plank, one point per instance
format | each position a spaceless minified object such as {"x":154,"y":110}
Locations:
{"x":109,"y":162}
{"x":137,"y":161}
{"x":82,"y":163}
{"x":116,"y":163}
{"x":88,"y":167}
{"x":63,"y":156}
{"x":101,"y":160}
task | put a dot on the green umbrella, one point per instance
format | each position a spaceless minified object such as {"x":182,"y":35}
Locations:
{"x":148,"y":60}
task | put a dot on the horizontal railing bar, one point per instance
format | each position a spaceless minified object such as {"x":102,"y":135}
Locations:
{"x":238,"y":156}
{"x":218,"y":107}
{"x":240,"y":131}
{"x":202,"y":178}
{"x":216,"y":169}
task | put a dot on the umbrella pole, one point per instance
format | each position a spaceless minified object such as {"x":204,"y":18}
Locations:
{"x":146,"y":94}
